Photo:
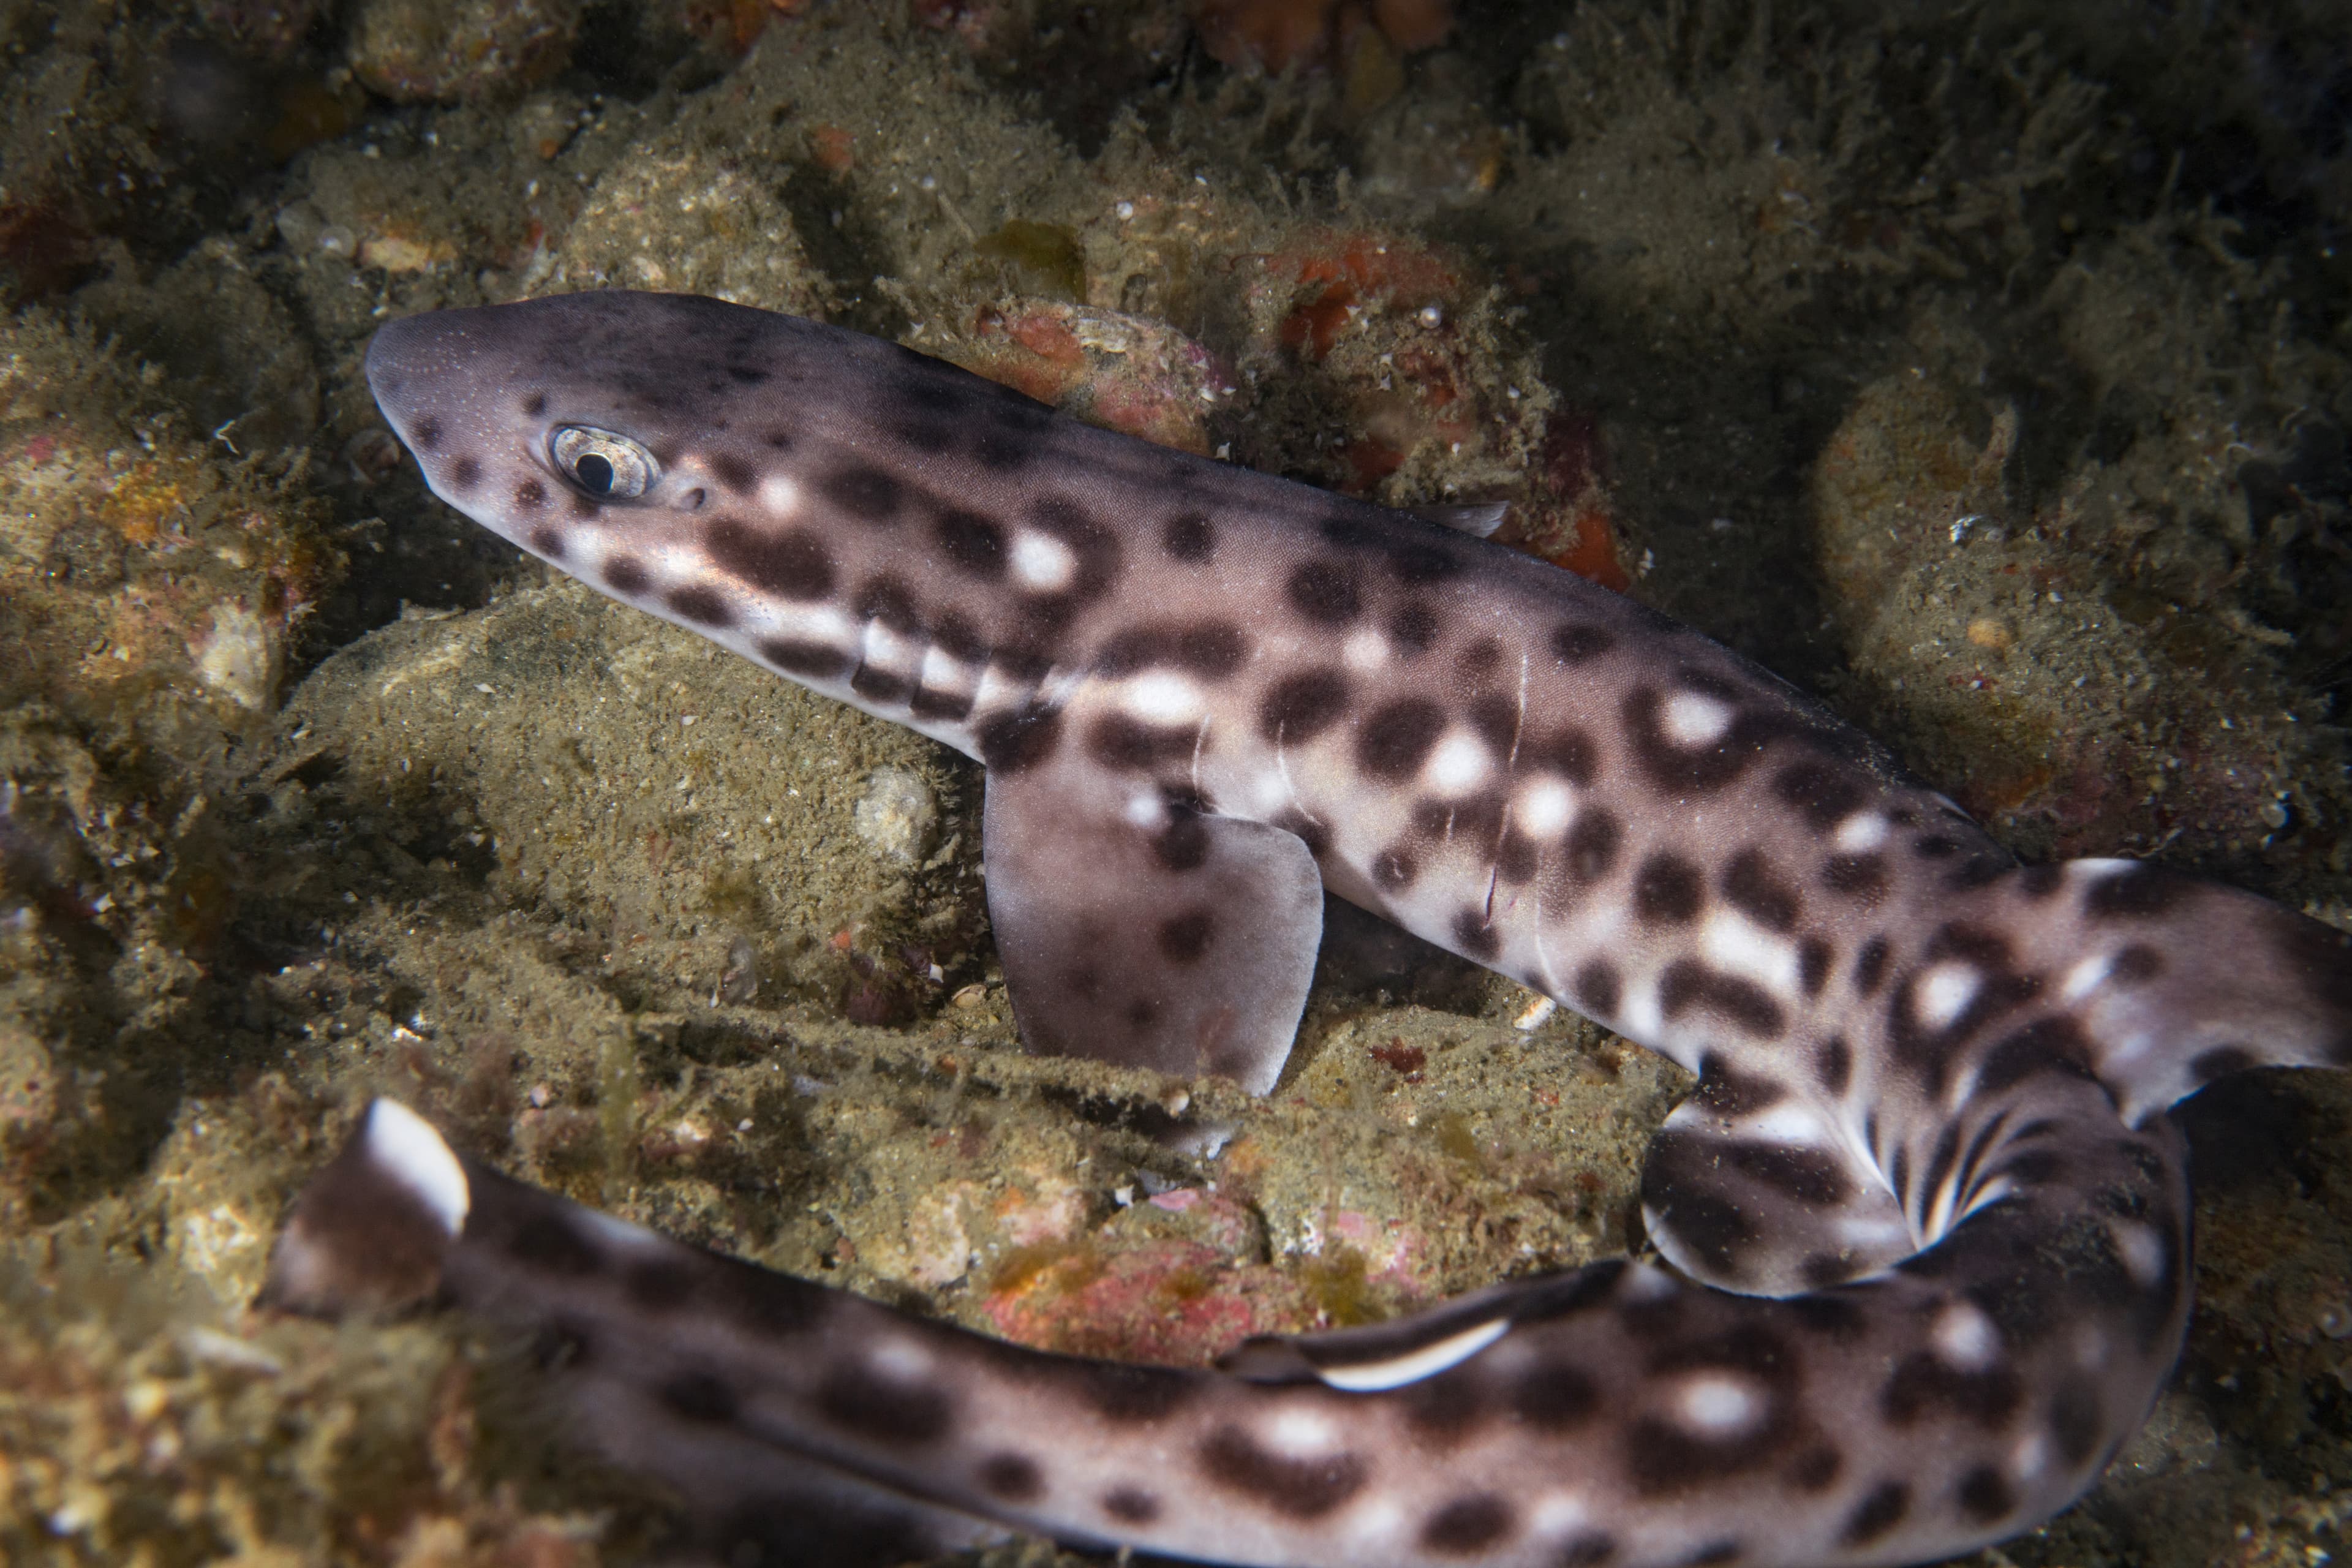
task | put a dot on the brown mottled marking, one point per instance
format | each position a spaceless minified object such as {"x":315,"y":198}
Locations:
{"x":1597,"y":987}
{"x":1013,"y":1477}
{"x":1668,"y":890}
{"x":1592,"y":841}
{"x":1395,"y":738}
{"x":1130,"y":1505}
{"x":548,"y":542}
{"x":793,"y":564}
{"x":1184,"y":939}
{"x":732,"y":471}
{"x":1296,"y":1488}
{"x":1189,"y":537}
{"x":1326,"y":594}
{"x":1469,"y":1524}
{"x":703,"y":606}
{"x":1302,"y":707}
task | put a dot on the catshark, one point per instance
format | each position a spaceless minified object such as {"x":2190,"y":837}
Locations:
{"x":1922,"y":1225}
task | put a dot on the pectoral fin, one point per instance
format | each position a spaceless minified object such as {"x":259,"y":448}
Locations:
{"x":1138,"y":929}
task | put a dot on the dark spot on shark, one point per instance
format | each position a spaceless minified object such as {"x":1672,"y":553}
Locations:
{"x":1555,"y":1396}
{"x":1815,"y":957}
{"x":1985,"y":1495}
{"x":2136,"y":892}
{"x":973,"y":544}
{"x":535,"y":404}
{"x":1591,"y":844}
{"x":793,"y":564}
{"x":887,"y":599}
{"x":1015,"y":744}
{"x":1012,"y":1478}
{"x":1468,"y":1525}
{"x":1877,"y":1513}
{"x":867,"y":494}
{"x":1395,"y":738}
{"x":465,"y":474}
{"x":1580,"y":642}
{"x":861,"y":1401}
{"x":746,"y":376}
{"x":1862,"y":877}
{"x":1394,"y":869}
{"x":1688,"y":985}
{"x":1183,"y":843}
{"x":1516,"y":857}
{"x":1213,"y":648}
{"x":698,"y":1397}
{"x":931,"y":705}
{"x":1413,"y":625}
{"x":1752,"y":887}
{"x":625,"y":574}
{"x":1303,"y":706}
{"x":1597,"y":987}
{"x":1294,"y":1487}
{"x":703,"y":606}
{"x":734,"y":473}
{"x":550,"y":1244}
{"x":1121,"y":740}
{"x":1130,"y":1505}
{"x":878,"y":685}
{"x":1325,"y":593}
{"x":1668,"y":890}
{"x":1184,"y":939}
{"x":1834,"y":1064}
{"x":530,"y":495}
{"x":1826,"y":794}
{"x":809,"y":659}
{"x":547,"y":541}
{"x":426,"y":435}
{"x":1474,"y":935}
{"x":1189,"y":537}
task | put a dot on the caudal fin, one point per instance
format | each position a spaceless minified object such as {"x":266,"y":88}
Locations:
{"x":2175,"y":981}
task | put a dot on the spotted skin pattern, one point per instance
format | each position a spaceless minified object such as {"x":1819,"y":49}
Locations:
{"x":1925,"y":1218}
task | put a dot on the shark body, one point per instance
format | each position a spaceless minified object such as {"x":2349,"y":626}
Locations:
{"x":1925,"y":1218}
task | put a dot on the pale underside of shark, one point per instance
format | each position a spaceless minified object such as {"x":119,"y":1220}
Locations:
{"x":1924,"y":1217}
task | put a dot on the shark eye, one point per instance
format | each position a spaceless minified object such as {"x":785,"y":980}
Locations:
{"x":602,"y":463}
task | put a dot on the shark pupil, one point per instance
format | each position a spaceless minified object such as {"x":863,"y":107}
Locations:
{"x":594,"y":472}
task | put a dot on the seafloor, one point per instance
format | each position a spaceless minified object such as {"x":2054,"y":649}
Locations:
{"x":1981,"y":368}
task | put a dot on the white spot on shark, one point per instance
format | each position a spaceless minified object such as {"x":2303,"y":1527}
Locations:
{"x":1716,"y":1404}
{"x":2086,"y":977}
{"x":942,"y":671}
{"x":1146,"y":810}
{"x":1944,"y":993}
{"x":1042,"y":561}
{"x":1364,"y":650}
{"x":1693,"y":720}
{"x":1965,"y":1338}
{"x":902,"y":1360}
{"x":1296,"y":1430}
{"x":2141,"y":1249}
{"x":1790,"y":1122}
{"x":1162,"y":697}
{"x":1737,"y":945}
{"x":1544,"y":808}
{"x":1864,"y":830}
{"x":780,"y":496}
{"x":1458,"y":763}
